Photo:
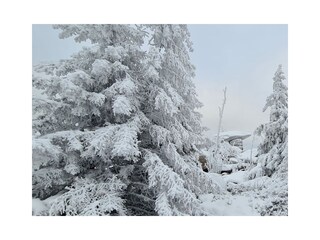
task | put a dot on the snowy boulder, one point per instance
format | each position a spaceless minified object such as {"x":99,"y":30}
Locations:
{"x":225,"y":172}
{"x":237,"y":143}
{"x":206,"y":197}
{"x":256,"y":172}
{"x":237,"y":177}
{"x":256,"y":183}
{"x":233,"y":135}
{"x":235,"y":138}
{"x":247,"y":155}
{"x":219,"y":182}
{"x":228,"y":168}
{"x":233,"y":160}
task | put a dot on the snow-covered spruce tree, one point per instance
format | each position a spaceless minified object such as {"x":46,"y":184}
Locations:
{"x":48,"y":177}
{"x":97,"y":118}
{"x":124,"y":127}
{"x":175,"y":127}
{"x":273,"y":148}
{"x":273,"y":151}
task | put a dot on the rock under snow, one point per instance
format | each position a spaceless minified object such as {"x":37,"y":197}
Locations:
{"x":246,"y":155}
{"x":237,"y":177}
{"x":233,"y":160}
{"x":228,"y":168}
{"x":232,"y":135}
{"x":234,"y":138}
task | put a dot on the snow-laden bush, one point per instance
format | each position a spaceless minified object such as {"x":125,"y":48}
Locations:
{"x":256,"y":172}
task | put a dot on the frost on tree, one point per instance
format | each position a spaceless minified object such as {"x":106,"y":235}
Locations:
{"x":95,"y":118}
{"x":273,"y":149}
{"x":175,"y":127}
{"x":115,"y":127}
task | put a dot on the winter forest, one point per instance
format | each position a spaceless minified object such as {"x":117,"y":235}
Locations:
{"x":116,"y":131}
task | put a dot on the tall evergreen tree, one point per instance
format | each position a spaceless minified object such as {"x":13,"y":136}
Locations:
{"x":97,"y":120}
{"x":175,"y":129}
{"x":115,"y":127}
{"x":273,"y":148}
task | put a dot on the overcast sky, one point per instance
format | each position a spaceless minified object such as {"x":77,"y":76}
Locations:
{"x":242,"y":58}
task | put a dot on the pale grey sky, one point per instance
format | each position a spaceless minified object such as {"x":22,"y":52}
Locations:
{"x":241,"y":57}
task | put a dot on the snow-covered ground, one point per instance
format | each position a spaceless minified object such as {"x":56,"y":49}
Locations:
{"x":248,"y":155}
{"x":246,"y":195}
{"x":229,"y":205}
{"x":237,"y":177}
{"x":242,"y":195}
{"x":41,"y":207}
{"x":38,"y":207}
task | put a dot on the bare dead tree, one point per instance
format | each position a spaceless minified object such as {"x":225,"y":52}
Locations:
{"x":215,"y":166}
{"x":221,"y":110}
{"x":253,"y":135}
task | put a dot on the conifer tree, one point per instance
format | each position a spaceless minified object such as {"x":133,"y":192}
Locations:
{"x":122,"y":125}
{"x":273,"y":148}
{"x":175,"y":125}
{"x":97,"y":115}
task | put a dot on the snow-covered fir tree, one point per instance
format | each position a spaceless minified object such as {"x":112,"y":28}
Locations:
{"x":273,"y":148}
{"x":115,"y":127}
{"x":175,"y":128}
{"x":273,"y":151}
{"x":98,"y":120}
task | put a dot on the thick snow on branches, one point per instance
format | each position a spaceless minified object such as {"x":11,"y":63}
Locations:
{"x":105,"y":113}
{"x":273,"y":149}
{"x":116,"y":129}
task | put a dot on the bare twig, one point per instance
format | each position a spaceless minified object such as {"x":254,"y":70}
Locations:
{"x":221,"y":110}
